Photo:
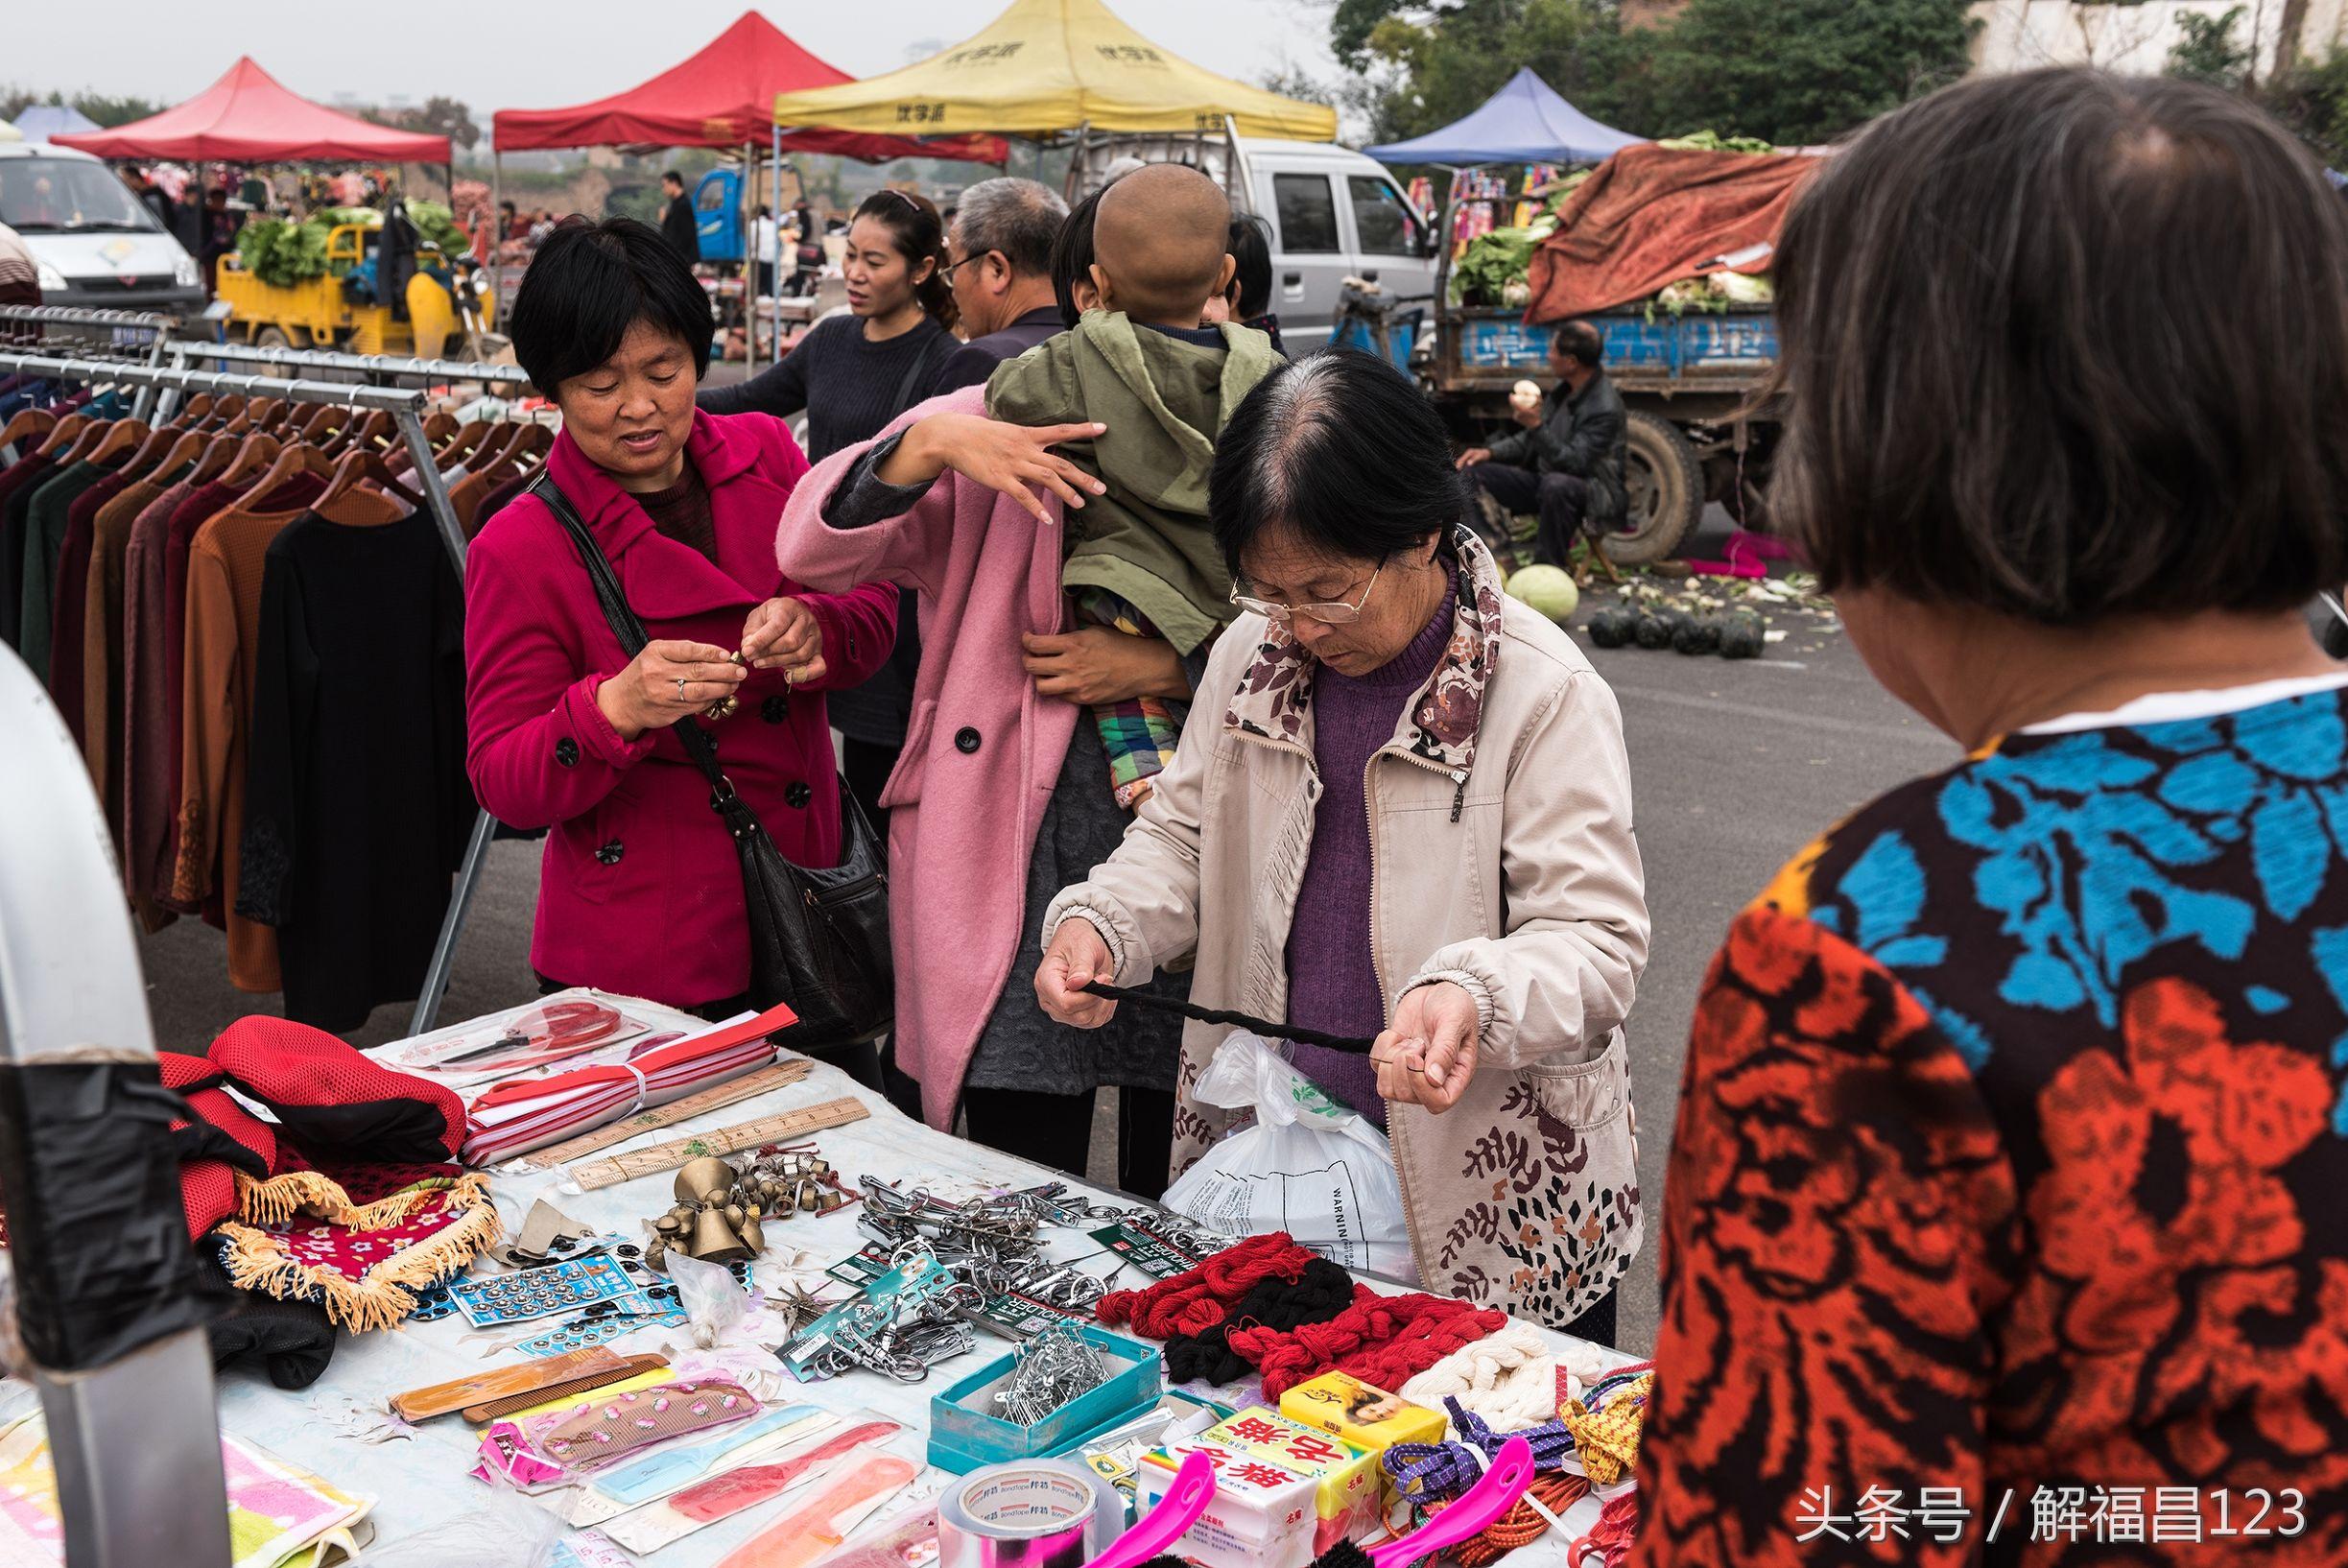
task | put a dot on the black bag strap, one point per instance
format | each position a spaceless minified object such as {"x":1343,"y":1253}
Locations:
{"x":915,"y":387}
{"x":624,"y":626}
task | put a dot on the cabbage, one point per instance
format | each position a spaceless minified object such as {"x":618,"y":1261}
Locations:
{"x":1491,"y":261}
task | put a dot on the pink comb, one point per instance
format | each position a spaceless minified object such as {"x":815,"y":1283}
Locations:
{"x":1192,"y":1489}
{"x":1494,"y":1494}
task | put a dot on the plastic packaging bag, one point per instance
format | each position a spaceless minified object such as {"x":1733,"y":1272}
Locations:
{"x":1307,"y":1166}
{"x":504,"y":1532}
{"x":710,"y":1297}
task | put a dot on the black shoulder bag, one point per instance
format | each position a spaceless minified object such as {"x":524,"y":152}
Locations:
{"x":818,"y":937}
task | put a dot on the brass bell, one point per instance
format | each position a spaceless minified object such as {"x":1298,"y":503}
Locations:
{"x":735,"y":1214}
{"x":753,"y":1235}
{"x":714,"y":1241}
{"x":704,"y":1179}
{"x":657,"y":1255}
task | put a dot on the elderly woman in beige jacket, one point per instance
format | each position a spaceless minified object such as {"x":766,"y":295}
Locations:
{"x":1402,"y":812}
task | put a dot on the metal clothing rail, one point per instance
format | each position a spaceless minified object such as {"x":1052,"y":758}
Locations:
{"x":371,"y":364}
{"x":406,"y":407}
{"x":158,"y":326}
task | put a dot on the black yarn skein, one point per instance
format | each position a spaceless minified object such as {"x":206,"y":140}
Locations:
{"x":1319,"y":1294}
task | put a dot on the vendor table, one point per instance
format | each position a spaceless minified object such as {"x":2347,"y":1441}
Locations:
{"x":342,"y":1429}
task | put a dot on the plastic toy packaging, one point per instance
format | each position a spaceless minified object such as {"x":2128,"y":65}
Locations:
{"x":712,"y":1302}
{"x":912,"y":1542}
{"x":560,"y":1448}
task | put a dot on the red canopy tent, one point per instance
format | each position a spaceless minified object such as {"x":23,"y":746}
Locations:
{"x":723,"y":97}
{"x":249,"y":116}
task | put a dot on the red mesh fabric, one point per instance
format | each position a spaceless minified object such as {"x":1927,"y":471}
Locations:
{"x":1197,"y":1299}
{"x":1384,"y":1340}
{"x":207,"y":1179}
{"x":334,"y":1102}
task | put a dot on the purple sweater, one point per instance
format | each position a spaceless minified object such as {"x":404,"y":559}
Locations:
{"x":1332,"y":983}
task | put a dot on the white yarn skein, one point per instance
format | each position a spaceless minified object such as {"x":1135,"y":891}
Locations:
{"x":1508,"y":1378}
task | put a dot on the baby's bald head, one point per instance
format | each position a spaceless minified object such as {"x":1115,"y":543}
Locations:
{"x":1159,"y":244}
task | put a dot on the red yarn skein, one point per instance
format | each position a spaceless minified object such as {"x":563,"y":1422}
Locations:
{"x":1382,"y":1340}
{"x":1197,"y":1299}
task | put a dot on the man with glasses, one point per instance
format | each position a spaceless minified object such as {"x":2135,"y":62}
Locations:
{"x":1000,"y":263}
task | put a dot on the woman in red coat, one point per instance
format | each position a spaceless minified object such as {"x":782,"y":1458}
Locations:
{"x":642,"y":894}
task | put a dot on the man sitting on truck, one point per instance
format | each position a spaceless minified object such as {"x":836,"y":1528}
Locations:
{"x":1565,"y":465}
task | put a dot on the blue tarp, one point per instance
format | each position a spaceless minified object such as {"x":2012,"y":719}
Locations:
{"x":42,"y":121}
{"x":1525,"y":122}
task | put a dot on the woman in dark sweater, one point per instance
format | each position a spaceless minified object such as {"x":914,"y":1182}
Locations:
{"x":852,"y":374}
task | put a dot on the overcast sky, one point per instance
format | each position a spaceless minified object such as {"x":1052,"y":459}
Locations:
{"x":497,"y":54}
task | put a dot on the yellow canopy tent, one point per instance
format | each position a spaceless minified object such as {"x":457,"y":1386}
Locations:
{"x":1046,"y":66}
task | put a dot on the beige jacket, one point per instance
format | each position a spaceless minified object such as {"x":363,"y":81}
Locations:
{"x":1502,"y":858}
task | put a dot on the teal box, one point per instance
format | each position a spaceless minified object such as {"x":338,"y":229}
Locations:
{"x":966,"y":1432}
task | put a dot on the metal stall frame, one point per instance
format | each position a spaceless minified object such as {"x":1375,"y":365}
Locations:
{"x":406,"y":406}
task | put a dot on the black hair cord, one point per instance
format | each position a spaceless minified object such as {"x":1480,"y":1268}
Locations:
{"x":1352,"y":1044}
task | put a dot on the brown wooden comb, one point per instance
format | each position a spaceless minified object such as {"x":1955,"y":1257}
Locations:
{"x":586,"y":1384}
{"x":525,"y":1378}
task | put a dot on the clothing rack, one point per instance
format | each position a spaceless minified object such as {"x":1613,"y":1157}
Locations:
{"x":386,"y":365}
{"x":119,"y":322}
{"x":406,"y":406}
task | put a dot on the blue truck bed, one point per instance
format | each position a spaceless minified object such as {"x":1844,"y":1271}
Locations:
{"x":1695,"y":352}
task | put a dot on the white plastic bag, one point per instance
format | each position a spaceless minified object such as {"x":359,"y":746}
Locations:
{"x":1307,"y":1166}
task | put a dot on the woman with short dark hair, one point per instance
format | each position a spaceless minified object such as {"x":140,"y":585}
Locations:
{"x":2011,"y":1148}
{"x":1402,"y":812}
{"x":642,"y":894}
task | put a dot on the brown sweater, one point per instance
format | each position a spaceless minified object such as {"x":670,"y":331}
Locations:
{"x":103,"y":667}
{"x":144,"y":744}
{"x":224,"y":630}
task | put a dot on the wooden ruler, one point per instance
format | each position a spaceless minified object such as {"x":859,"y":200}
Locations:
{"x":781,"y":1128}
{"x":780,"y":1075}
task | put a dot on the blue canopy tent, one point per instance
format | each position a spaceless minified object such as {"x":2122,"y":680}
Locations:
{"x":42,"y":121}
{"x":1525,"y":122}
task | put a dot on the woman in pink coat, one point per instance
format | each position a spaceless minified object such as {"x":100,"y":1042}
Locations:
{"x":642,"y":894}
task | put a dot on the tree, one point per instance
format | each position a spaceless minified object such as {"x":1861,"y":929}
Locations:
{"x":2206,"y":51}
{"x":1794,"y":71}
{"x":446,"y":117}
{"x":111,"y":111}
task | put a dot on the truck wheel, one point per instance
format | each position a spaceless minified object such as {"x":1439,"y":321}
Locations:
{"x":1665,"y":480}
{"x":272,"y":337}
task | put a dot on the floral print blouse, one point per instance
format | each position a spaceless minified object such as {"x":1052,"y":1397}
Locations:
{"x":2009,"y":1191}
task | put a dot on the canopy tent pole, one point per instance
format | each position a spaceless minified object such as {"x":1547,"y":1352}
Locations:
{"x":497,"y":232}
{"x":774,"y":304}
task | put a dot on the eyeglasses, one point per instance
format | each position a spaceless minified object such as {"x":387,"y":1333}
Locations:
{"x":1279,"y":614}
{"x":950,"y":268}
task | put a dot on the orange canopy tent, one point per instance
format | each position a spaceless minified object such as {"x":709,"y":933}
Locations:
{"x":723,"y":97}
{"x":249,"y":116}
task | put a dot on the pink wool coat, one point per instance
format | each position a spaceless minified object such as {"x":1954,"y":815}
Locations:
{"x":642,"y":892}
{"x":982,"y":752}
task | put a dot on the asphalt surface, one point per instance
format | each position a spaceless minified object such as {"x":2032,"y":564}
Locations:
{"x":1734,"y":766}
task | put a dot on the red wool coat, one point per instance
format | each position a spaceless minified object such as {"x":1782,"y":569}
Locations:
{"x":642,"y":894}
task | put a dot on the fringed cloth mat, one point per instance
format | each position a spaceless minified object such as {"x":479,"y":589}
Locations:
{"x":308,"y":1236}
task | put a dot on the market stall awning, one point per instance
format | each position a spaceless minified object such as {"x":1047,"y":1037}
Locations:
{"x":1525,"y":122}
{"x":721,"y":96}
{"x":249,"y":116}
{"x":1053,"y":65}
{"x":40,"y":122}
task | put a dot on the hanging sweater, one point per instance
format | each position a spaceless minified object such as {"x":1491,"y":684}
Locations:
{"x":1331,"y":979}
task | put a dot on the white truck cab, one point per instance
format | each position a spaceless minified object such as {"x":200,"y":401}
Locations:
{"x":95,"y":243}
{"x":1333,"y":213}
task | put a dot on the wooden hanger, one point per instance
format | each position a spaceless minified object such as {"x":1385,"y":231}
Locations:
{"x":269,"y":412}
{"x":223,"y":412}
{"x":293,"y":457}
{"x":468,"y":442}
{"x":122,"y":438}
{"x":186,"y":446}
{"x":64,"y":435}
{"x":212,"y":458}
{"x":25,"y":422}
{"x":196,"y":407}
{"x":253,"y":453}
{"x":84,"y":443}
{"x":439,"y":426}
{"x":159,"y":440}
{"x":364,"y":464}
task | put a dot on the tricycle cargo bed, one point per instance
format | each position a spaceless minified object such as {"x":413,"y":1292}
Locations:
{"x":1697,"y":352}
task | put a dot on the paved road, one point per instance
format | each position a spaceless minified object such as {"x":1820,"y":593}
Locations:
{"x":1734,"y":766}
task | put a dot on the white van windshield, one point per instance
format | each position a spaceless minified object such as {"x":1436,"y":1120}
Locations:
{"x":59,"y":195}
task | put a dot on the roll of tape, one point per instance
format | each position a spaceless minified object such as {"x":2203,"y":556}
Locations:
{"x":1033,"y":1513}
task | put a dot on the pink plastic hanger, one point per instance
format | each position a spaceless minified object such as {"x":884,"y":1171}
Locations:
{"x":1192,"y":1489}
{"x":1494,"y":1494}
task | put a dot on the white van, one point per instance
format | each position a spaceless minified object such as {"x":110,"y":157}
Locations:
{"x":1333,"y":213}
{"x":95,"y":242}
